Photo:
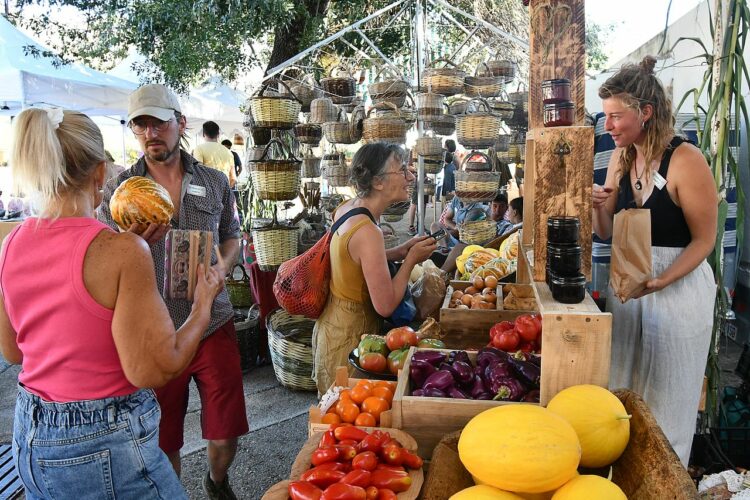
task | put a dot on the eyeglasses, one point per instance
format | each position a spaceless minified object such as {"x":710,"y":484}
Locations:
{"x":404,"y":170}
{"x":139,"y":127}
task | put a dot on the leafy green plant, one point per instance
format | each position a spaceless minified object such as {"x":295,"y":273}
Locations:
{"x":723,"y":82}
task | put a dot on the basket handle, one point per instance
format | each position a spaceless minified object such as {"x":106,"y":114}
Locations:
{"x":525,"y":88}
{"x":445,"y":60}
{"x":472,"y":154}
{"x":340,"y":66}
{"x":385,"y":224}
{"x":480,"y":100}
{"x":358,"y":114}
{"x":283,"y":148}
{"x":276,"y":80}
{"x":486,"y":67}
{"x":411,"y":99}
{"x":385,"y":68}
{"x":245,"y":277}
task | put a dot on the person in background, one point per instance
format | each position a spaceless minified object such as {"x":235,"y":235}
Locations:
{"x":203,"y":201}
{"x":449,"y":172}
{"x":660,"y":339}
{"x":515,"y":213}
{"x":455,"y":213}
{"x":85,"y":425}
{"x":362,"y":289}
{"x":237,"y":162}
{"x":214,"y":155}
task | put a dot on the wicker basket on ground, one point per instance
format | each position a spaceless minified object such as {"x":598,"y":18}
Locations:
{"x":483,"y":84}
{"x":341,"y":89}
{"x":304,"y":87}
{"x":275,"y":111}
{"x":276,"y":179}
{"x":429,"y":105}
{"x":446,"y":81}
{"x":391,"y":90}
{"x":290,"y":345}
{"x":477,"y":232}
{"x":323,"y":110}
{"x":343,"y":131}
{"x":335,"y":170}
{"x":390,"y":129}
{"x":274,"y":244}
{"x":396,"y":211}
{"x":478,"y":129}
{"x":308,"y":133}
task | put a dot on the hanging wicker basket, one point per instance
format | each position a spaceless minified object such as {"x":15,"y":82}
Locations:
{"x":349,"y":108}
{"x":457,"y":106}
{"x":290,"y":345}
{"x":433,"y":164}
{"x":310,"y":167}
{"x":476,"y":186}
{"x":323,"y":110}
{"x":503,"y":68}
{"x":341,"y":89}
{"x":274,"y":244}
{"x":384,"y":129}
{"x":396,"y":211}
{"x":483,"y":84}
{"x":335,"y":170}
{"x":308,"y":133}
{"x":276,"y":179}
{"x":520,"y":98}
{"x":502,"y":142}
{"x":391,"y":90}
{"x":260,"y":135}
{"x":429,"y":146}
{"x":477,"y":129}
{"x":343,"y":131}
{"x":407,"y":113}
{"x":239,"y":290}
{"x":472,"y":165}
{"x":441,"y":125}
{"x":275,"y":111}
{"x":429,"y":105}
{"x":477,"y":232}
{"x":304,"y":87}
{"x":446,"y":81}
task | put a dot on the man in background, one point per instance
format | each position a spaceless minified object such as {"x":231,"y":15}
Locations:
{"x":237,"y":162}
{"x":214,"y":155}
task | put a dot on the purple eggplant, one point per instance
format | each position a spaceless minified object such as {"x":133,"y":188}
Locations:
{"x":478,"y":370}
{"x":535,"y":359}
{"x":445,"y":366}
{"x":441,"y":379}
{"x":457,"y":393}
{"x":532,"y":396}
{"x":462,"y":372}
{"x":432,"y":357}
{"x":529,"y":372}
{"x":454,"y":356}
{"x":477,"y":387}
{"x":497,"y":370}
{"x":485,"y":396}
{"x":419,"y":370}
{"x":509,"y":389}
{"x":434,"y":393}
{"x":486,"y":355}
{"x":417,"y":392}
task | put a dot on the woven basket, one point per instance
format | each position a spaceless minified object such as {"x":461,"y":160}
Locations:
{"x":502,"y":142}
{"x":254,"y":153}
{"x":260,"y":135}
{"x":384,"y":129}
{"x":433,"y":164}
{"x":329,"y":203}
{"x":407,"y":113}
{"x":477,"y":232}
{"x":239,"y":290}
{"x":396,"y":211}
{"x":477,"y":129}
{"x":276,"y":179}
{"x":391,"y":90}
{"x":429,"y":105}
{"x":429,"y":146}
{"x":457,"y":106}
{"x":290,"y":345}
{"x":441,"y":125}
{"x":484,"y":84}
{"x":335,"y":170}
{"x":274,"y":245}
{"x":390,"y":238}
{"x":308,"y":133}
{"x":471,"y":165}
{"x":476,"y":186}
{"x":275,"y":111}
{"x":446,"y":81}
{"x":341,"y":89}
{"x":309,"y":237}
{"x":343,"y":131}
{"x":323,"y":110}
{"x":502,"y":68}
{"x":310,"y":167}
{"x":520,"y":98}
{"x":304,"y":87}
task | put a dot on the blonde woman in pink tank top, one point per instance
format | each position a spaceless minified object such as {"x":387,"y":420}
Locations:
{"x":80,"y":311}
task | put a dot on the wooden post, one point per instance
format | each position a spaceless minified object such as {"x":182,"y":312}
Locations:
{"x":557,"y":50}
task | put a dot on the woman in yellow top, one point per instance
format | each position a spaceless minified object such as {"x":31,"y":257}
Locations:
{"x":362,"y":290}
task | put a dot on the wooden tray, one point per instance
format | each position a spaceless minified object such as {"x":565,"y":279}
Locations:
{"x":302,"y":462}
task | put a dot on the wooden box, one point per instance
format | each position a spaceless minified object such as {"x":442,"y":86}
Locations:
{"x":429,"y":419}
{"x":558,"y":184}
{"x":648,"y":469}
{"x":314,"y":421}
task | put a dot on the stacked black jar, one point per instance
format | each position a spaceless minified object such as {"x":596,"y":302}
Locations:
{"x":564,"y":276}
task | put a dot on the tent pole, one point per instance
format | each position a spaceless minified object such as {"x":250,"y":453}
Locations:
{"x":124,"y":153}
{"x":420,"y":28}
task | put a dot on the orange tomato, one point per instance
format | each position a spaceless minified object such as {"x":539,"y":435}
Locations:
{"x":383,"y":392}
{"x":331,"y":418}
{"x":375,"y":406}
{"x":365,"y":419}
{"x":360,"y":393}
{"x":348,"y":412}
{"x":364,"y":383}
{"x":386,"y":383}
{"x":345,"y":395}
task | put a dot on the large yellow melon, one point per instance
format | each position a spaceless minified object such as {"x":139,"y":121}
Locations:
{"x":484,"y":492}
{"x":140,"y":200}
{"x":600,"y":420}
{"x":520,"y":448}
{"x":588,"y":487}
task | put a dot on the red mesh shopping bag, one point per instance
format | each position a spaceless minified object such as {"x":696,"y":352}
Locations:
{"x":301,"y":285}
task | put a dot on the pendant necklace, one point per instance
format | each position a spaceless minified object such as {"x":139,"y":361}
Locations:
{"x":638,"y":185}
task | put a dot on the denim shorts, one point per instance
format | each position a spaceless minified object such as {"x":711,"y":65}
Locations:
{"x":97,"y":449}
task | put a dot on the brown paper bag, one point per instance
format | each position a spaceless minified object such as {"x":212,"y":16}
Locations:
{"x":184,"y":250}
{"x":630,"y":266}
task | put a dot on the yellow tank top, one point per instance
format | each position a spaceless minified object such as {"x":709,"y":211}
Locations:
{"x":347,"y":279}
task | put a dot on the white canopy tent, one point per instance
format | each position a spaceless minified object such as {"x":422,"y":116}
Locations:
{"x":29,"y":78}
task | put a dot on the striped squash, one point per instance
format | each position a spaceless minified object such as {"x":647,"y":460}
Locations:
{"x":140,"y":199}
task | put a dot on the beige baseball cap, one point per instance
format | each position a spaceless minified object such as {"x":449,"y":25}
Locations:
{"x":153,"y":100}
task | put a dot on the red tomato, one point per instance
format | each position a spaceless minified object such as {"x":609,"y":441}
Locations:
{"x":526,"y":327}
{"x":501,"y":327}
{"x":372,"y":493}
{"x":397,"y":360}
{"x":398,"y":338}
{"x":392,"y":455}
{"x":506,"y":340}
{"x":395,"y":481}
{"x":322,"y":478}
{"x":412,"y":460}
{"x":386,"y":494}
{"x":346,"y":452}
{"x":366,"y":460}
{"x":392,"y":468}
{"x":323,"y":455}
{"x":341,"y":491}
{"x":373,"y":442}
{"x":302,"y":490}
{"x":357,"y":477}
{"x":354,"y":433}
{"x":373,"y":362}
{"x":328,"y":439}
{"x":346,"y":467}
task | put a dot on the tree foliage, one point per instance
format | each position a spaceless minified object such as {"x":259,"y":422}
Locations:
{"x":596,"y":34}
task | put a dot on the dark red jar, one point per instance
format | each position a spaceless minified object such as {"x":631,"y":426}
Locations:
{"x":559,"y":114}
{"x":557,"y":90}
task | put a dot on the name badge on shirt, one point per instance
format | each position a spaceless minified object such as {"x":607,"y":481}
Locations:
{"x":196,"y":190}
{"x":659,"y":181}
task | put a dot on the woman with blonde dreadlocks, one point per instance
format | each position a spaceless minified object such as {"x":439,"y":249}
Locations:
{"x":660,"y":339}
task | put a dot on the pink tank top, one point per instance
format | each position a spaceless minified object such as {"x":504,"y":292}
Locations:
{"x":64,"y":334}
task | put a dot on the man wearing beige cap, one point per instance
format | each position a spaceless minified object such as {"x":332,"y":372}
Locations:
{"x":203,"y":201}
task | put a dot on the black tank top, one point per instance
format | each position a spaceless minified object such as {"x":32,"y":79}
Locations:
{"x":668,"y":225}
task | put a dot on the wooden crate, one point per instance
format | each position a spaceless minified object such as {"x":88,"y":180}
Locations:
{"x":429,"y":419}
{"x":469,"y":328}
{"x":314,"y":420}
{"x":557,"y":49}
{"x":553,"y":189}
{"x":648,"y":469}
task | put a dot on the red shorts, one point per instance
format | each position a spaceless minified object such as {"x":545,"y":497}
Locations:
{"x":217,"y":373}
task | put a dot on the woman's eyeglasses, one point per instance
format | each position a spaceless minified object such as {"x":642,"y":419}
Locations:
{"x":404,"y":170}
{"x":139,"y":127}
